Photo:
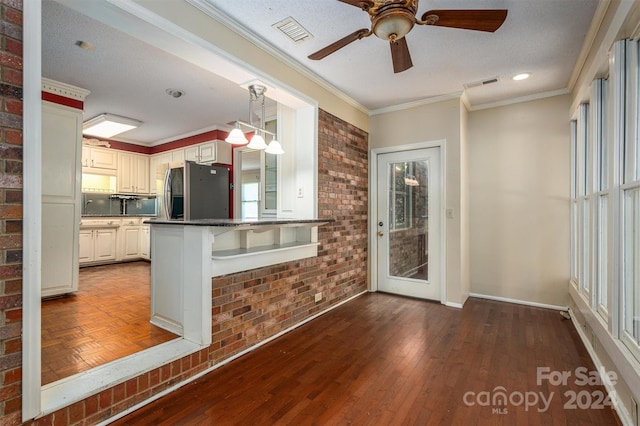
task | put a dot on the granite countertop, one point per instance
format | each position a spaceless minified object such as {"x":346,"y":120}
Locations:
{"x":236,"y":222}
{"x":118,"y":215}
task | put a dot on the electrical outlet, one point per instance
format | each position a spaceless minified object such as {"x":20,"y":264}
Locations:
{"x":300,"y":192}
{"x":318,"y":297}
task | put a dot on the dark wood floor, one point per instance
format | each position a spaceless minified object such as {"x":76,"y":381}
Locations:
{"x":106,"y":319}
{"x":387,"y":360}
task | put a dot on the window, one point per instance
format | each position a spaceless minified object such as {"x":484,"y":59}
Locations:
{"x":250,"y":200}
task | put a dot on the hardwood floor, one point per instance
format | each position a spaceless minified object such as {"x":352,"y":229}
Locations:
{"x":107,"y":319}
{"x":388,"y":360}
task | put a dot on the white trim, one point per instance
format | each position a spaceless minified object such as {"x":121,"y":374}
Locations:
{"x":224,"y":362}
{"x":373,"y":206}
{"x":32,"y":209}
{"x":63,"y":89}
{"x":589,"y":39}
{"x":618,"y":406}
{"x":75,"y":388}
{"x":415,"y":104}
{"x":528,"y":98}
{"x":454,"y":305}
{"x":234,"y":26}
{"x":518,"y":301}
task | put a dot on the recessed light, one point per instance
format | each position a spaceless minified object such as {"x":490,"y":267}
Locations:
{"x":175,"y":93}
{"x":522,"y":76}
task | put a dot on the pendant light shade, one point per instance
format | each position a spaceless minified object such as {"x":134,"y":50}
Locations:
{"x":274,"y":147}
{"x":257,"y":142}
{"x":236,"y":136}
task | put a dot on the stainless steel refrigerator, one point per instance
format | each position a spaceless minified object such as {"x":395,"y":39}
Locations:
{"x":193,"y":191}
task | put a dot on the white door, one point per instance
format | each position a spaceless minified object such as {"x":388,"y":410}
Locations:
{"x":408,"y":223}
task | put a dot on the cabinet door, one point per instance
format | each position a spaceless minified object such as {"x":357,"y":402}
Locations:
{"x":177,"y":155}
{"x":130,"y":242}
{"x":86,"y":156}
{"x":207,"y":152}
{"x":104,"y":244}
{"x":191,"y":153}
{"x":156,"y":173}
{"x":145,"y":245}
{"x":125,"y":172}
{"x":86,"y":246}
{"x":141,"y":173}
{"x":102,"y":158}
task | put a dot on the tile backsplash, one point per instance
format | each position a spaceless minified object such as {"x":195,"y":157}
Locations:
{"x":95,"y":204}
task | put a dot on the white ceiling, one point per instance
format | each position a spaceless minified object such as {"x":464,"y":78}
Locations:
{"x":129,"y":77}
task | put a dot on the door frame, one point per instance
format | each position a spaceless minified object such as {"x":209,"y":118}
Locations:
{"x":373,"y":209}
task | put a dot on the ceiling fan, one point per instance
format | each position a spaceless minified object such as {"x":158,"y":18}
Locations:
{"x":392,"y":20}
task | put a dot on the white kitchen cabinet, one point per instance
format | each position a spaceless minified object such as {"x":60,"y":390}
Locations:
{"x":177,"y":155}
{"x":130,"y":239}
{"x":99,"y":158}
{"x":156,"y":177}
{"x":61,"y":197}
{"x":145,"y":242}
{"x":209,"y":152}
{"x":97,"y":245}
{"x":133,"y":173}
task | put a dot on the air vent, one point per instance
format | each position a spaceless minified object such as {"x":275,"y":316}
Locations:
{"x":481,"y":83}
{"x":293,"y":30}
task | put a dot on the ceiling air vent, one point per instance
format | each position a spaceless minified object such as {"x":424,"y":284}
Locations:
{"x":292,"y":29}
{"x":481,"y":83}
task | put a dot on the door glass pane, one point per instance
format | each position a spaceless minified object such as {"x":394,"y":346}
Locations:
{"x":409,"y":219}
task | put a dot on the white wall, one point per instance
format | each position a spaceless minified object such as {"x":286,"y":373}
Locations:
{"x":425,"y":123}
{"x":519,"y":201}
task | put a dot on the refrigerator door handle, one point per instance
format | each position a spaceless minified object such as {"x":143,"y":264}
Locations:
{"x":167,"y":194}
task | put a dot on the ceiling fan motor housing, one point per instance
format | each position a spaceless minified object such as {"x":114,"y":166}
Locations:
{"x":393,"y":20}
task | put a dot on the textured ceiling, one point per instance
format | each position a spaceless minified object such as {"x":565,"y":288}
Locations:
{"x":127,"y":76}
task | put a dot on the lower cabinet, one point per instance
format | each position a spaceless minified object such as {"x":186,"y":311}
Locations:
{"x":97,"y":245}
{"x":145,"y":242}
{"x":130,"y":237}
{"x":112,"y":240}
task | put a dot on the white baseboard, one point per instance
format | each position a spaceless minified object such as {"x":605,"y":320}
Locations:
{"x":224,"y":362}
{"x":518,"y":302}
{"x":453,"y":305}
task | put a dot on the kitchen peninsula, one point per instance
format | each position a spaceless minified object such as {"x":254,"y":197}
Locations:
{"x":187,"y":254}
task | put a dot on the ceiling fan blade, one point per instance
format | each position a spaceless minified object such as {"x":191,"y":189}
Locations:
{"x":362,"y":4}
{"x":488,"y":20}
{"x":326,"y":51}
{"x":400,"y":55}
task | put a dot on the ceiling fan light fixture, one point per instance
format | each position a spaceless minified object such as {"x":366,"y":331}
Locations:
{"x":394,"y":23}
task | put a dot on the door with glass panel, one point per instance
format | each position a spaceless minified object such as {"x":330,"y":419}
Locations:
{"x":408,"y":223}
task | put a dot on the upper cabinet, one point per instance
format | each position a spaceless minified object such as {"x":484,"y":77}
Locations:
{"x":133,"y":173}
{"x":216,"y":151}
{"x":99,"y":158}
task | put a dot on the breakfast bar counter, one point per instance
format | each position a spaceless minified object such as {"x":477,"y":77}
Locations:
{"x":186,"y":254}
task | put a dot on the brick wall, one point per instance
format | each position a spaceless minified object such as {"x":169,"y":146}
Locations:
{"x":251,"y":306}
{"x":10,"y":210}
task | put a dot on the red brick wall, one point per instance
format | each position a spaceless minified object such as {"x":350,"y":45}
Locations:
{"x":251,"y":306}
{"x":10,"y":210}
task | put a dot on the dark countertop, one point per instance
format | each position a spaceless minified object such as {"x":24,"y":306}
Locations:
{"x":235,"y":222}
{"x":117,"y":215}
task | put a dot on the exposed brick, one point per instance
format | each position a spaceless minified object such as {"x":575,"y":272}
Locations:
{"x":13,"y":15}
{"x":13,"y":167}
{"x":10,"y":391}
{"x":10,"y":211}
{"x":11,"y":76}
{"x":14,"y":256}
{"x":12,"y":376}
{"x":105,"y":398}
{"x":12,"y":405}
{"x":10,"y":331}
{"x":11,"y":196}
{"x":13,"y":106}
{"x":13,"y":346}
{"x":76,"y":412}
{"x":13,"y":226}
{"x":10,"y":152}
{"x":13,"y":137}
{"x":8,"y":302}
{"x":11,"y":181}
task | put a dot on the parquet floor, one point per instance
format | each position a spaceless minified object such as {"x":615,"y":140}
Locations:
{"x":387,"y":360}
{"x":107,"y":319}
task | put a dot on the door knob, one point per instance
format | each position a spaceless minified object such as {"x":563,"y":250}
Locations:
{"x":380,"y":233}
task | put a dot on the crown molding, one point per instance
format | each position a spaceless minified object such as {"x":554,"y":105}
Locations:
{"x":415,"y":104}
{"x":521,"y":99}
{"x":62,"y":89}
{"x":236,"y":27}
